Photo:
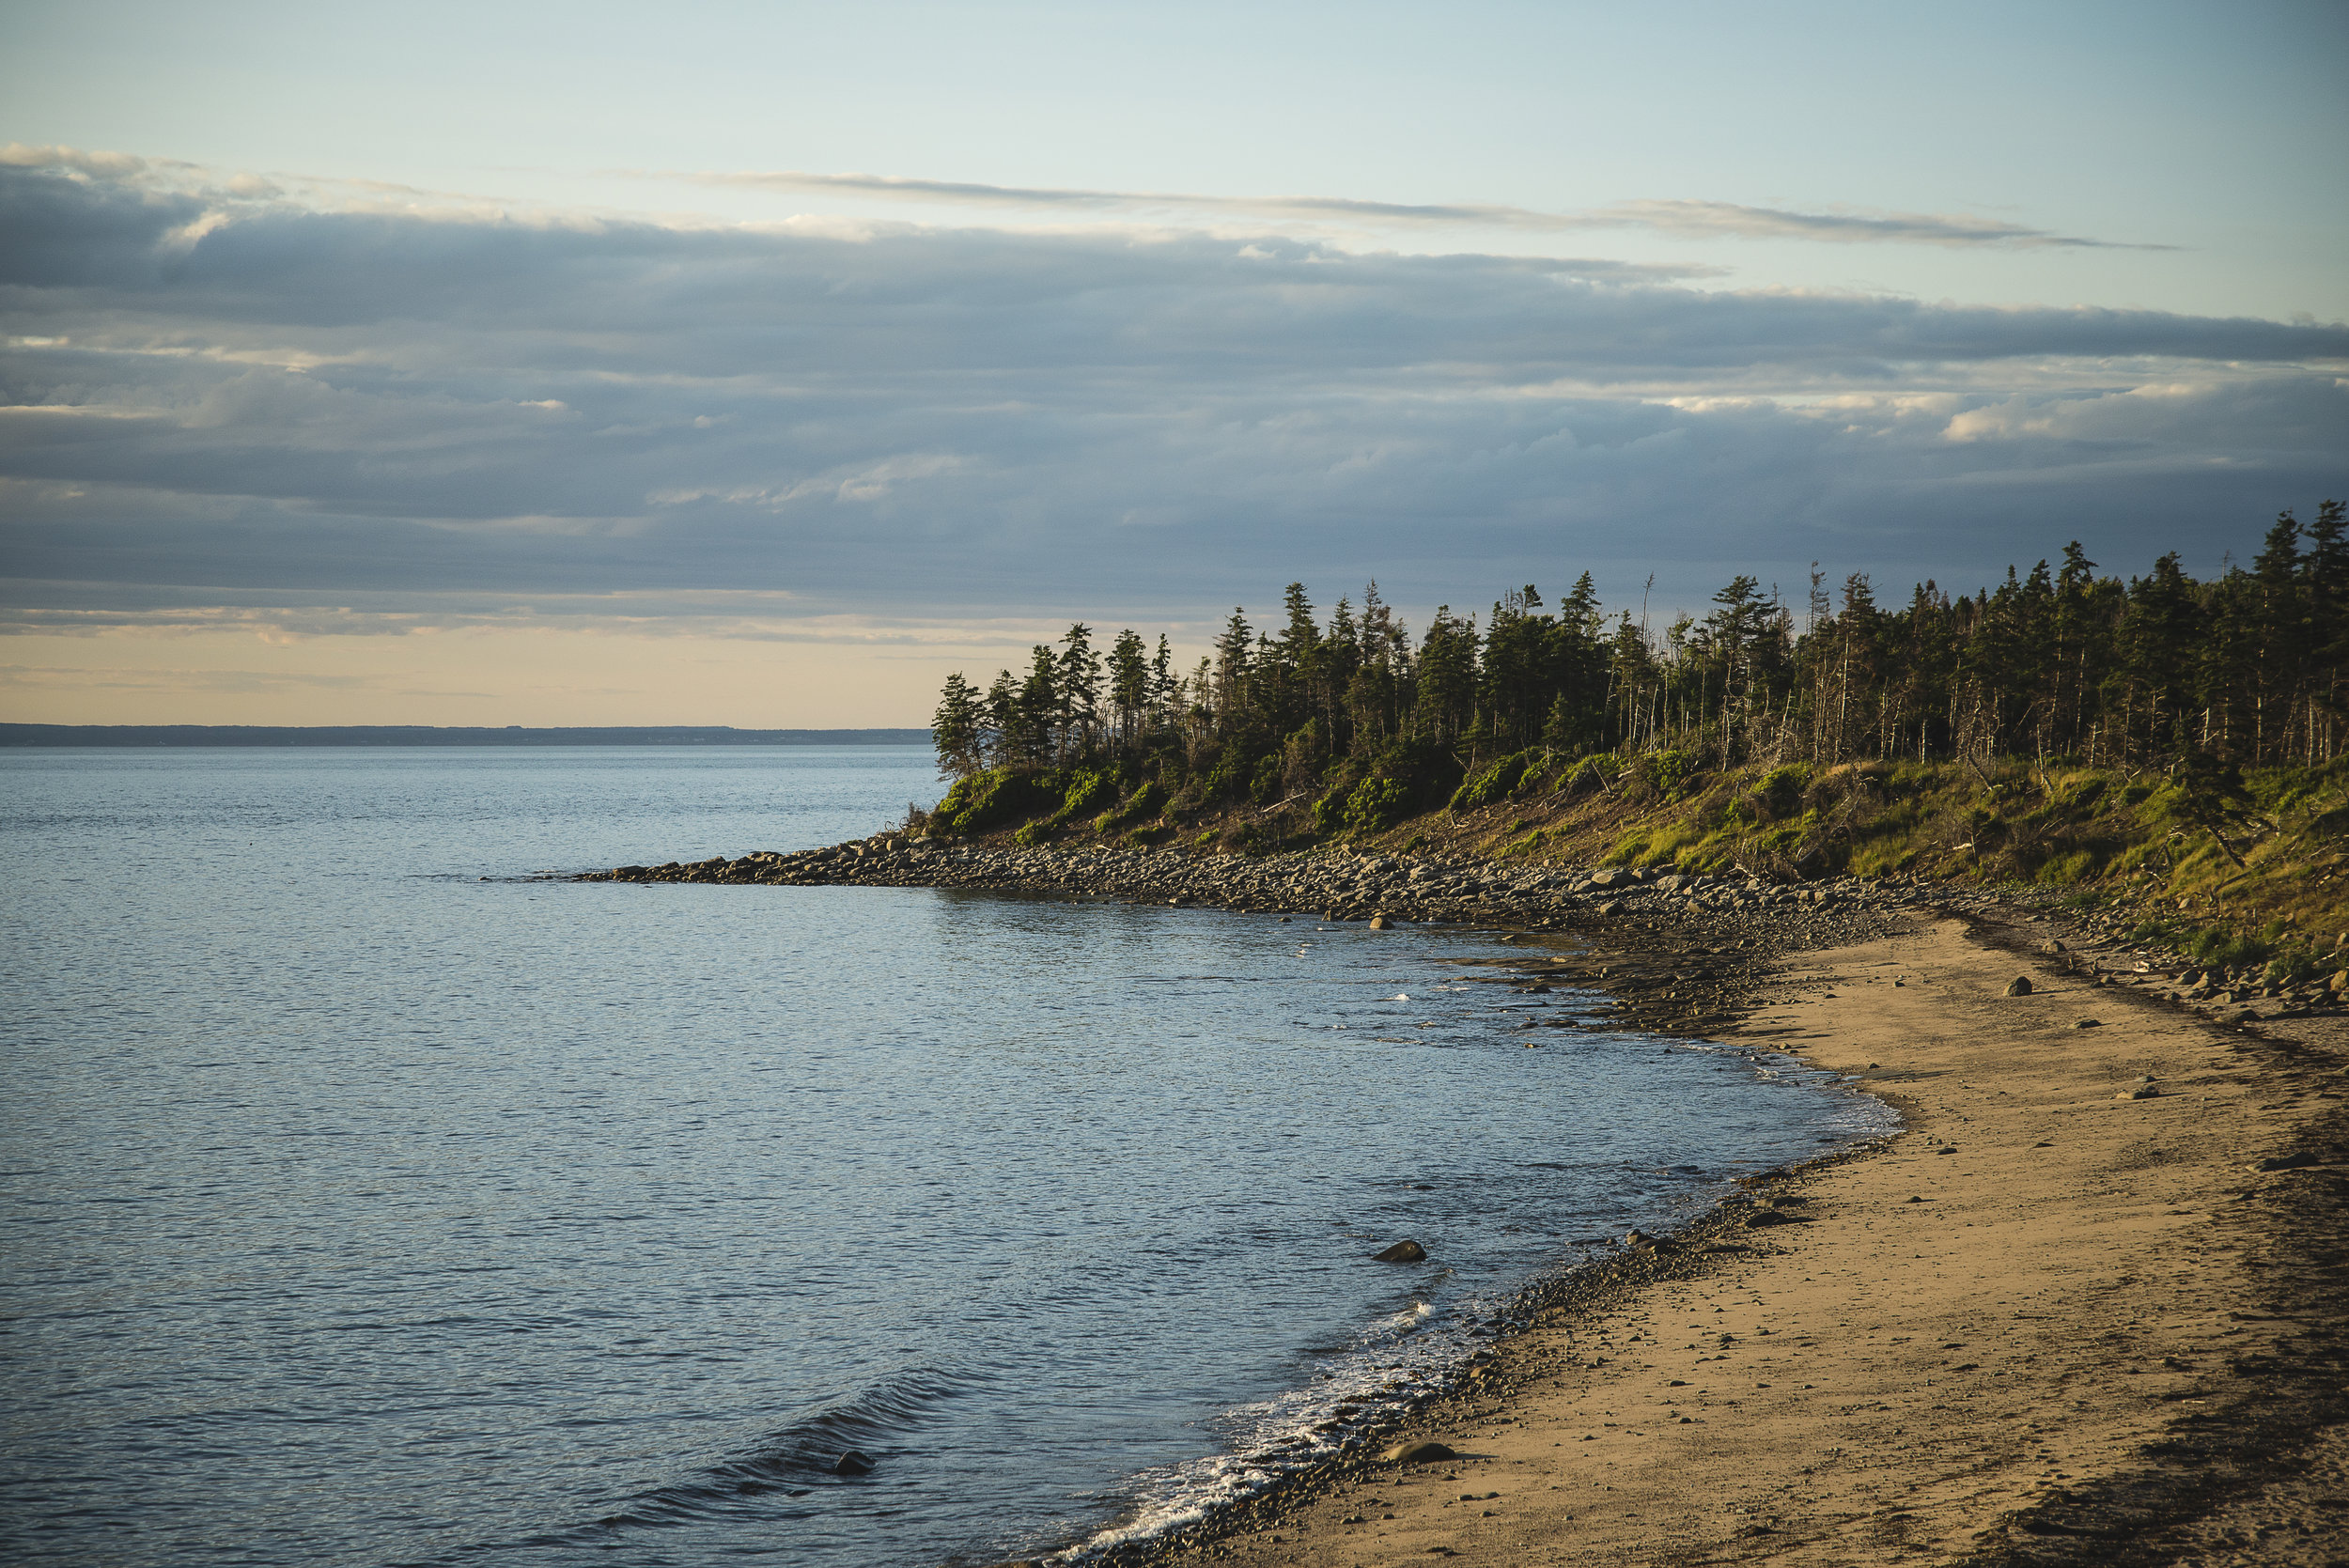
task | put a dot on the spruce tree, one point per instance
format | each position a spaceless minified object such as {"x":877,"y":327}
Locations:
{"x":956,"y":729}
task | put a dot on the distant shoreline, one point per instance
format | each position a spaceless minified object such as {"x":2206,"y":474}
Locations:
{"x":25,"y":736}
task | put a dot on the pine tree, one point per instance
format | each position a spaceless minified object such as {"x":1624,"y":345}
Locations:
{"x":1129,"y":688}
{"x":2281,"y":632}
{"x":1446,"y":677}
{"x":2326,"y":566}
{"x":956,"y":730}
{"x":1077,"y":680}
{"x":1232,"y":652}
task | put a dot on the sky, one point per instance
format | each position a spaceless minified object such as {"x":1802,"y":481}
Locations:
{"x":760,"y":365}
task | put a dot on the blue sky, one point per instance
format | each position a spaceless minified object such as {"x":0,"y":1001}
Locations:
{"x":757,"y":365}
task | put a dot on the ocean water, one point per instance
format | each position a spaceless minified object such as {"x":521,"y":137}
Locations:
{"x":367,"y":1200}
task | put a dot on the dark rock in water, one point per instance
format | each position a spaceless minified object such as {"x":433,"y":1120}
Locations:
{"x":2019,"y":985}
{"x":1402,"y":1251}
{"x":1417,"y":1454}
{"x":1378,"y":922}
{"x":853,"y":1462}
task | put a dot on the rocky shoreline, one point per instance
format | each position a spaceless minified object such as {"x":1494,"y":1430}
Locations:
{"x":1680,"y":953}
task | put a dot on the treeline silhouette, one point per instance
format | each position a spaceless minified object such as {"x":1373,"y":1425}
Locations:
{"x":2249,"y":668}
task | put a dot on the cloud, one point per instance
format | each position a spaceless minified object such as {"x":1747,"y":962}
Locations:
{"x":223,"y":399}
{"x":109,"y":166}
{"x":1682,"y":217}
{"x":1705,"y":218}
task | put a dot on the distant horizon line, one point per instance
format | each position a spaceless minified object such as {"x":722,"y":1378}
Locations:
{"x":30,"y":735}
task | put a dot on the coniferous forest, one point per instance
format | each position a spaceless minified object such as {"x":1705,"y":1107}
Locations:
{"x":2065,"y":726}
{"x":1351,"y":717}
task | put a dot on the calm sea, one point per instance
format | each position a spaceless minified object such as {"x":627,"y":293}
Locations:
{"x":368,"y":1201}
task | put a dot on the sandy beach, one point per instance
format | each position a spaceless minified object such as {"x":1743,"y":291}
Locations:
{"x":2058,"y":1318}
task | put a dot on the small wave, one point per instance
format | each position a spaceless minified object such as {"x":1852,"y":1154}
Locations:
{"x":802,"y":1455}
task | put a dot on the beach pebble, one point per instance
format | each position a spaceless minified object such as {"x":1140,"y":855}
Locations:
{"x":2088,"y":1023}
{"x":1402,"y":1251}
{"x":2019,"y":985}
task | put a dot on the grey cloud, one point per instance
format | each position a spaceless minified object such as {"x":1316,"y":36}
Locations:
{"x":1847,"y":228}
{"x":1684,"y":217}
{"x":254,"y":401}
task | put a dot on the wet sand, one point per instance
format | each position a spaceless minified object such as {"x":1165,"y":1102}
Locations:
{"x":2046,"y":1323}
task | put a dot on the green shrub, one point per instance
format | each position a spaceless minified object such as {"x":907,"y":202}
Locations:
{"x":1595,"y":771}
{"x":1265,"y":788}
{"x":1663,"y":775}
{"x":1146,"y":802}
{"x":1777,"y":795}
{"x":2290,"y":969}
{"x":1494,"y":783}
{"x":1377,"y":804}
{"x":989,"y":800}
{"x":2217,"y":945}
{"x":1234,"y":773}
{"x":1088,"y":791}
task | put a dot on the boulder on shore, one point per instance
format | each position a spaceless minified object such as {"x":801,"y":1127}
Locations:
{"x":1417,"y":1454}
{"x":2019,"y":985}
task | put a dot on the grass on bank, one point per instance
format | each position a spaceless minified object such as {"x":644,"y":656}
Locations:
{"x":2236,"y":868}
